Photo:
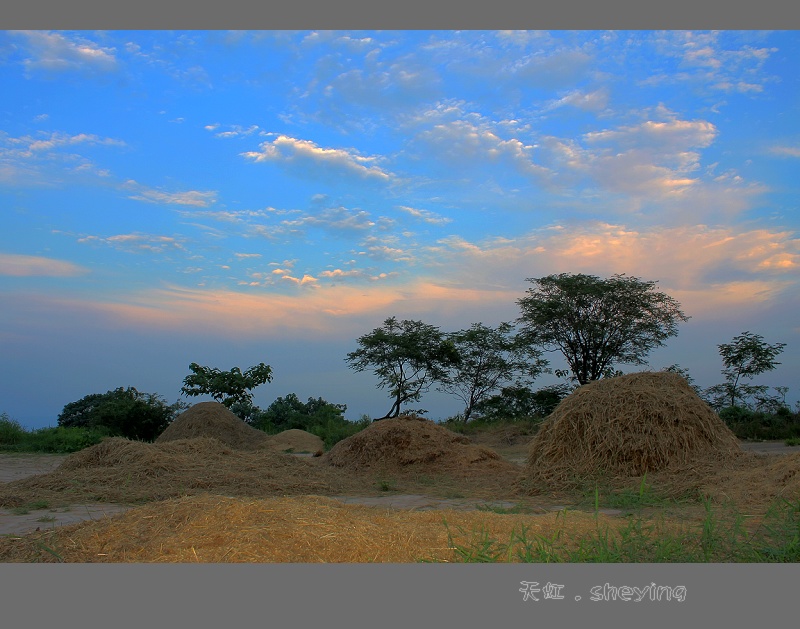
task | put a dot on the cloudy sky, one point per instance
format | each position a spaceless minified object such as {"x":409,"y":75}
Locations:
{"x":230,"y":198}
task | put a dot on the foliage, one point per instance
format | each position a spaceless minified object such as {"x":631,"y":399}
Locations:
{"x":407,"y":356}
{"x":684,"y":373}
{"x":488,"y":358}
{"x":122,"y":412}
{"x":228,"y":387}
{"x":518,"y":402}
{"x":11,"y":431}
{"x":745,"y":357}
{"x":759,"y":425}
{"x":596,"y":323}
{"x":57,"y":440}
{"x":321,"y":418}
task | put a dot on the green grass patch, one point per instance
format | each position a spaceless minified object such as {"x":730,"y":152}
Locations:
{"x":721,"y":538}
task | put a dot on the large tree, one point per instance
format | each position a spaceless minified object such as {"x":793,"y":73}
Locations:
{"x":597,"y":323}
{"x":489,"y":358}
{"x":407,"y":356}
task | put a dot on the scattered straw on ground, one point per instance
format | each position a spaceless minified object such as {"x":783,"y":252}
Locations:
{"x":309,"y":529}
{"x":125,"y":471}
{"x":756,"y":481}
{"x":212,"y":419}
{"x":625,"y":427}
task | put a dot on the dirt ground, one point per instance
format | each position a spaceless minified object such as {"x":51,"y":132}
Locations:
{"x":36,"y":517}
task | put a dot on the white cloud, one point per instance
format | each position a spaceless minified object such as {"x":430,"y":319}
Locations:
{"x":136,"y":242}
{"x":57,"y":52}
{"x":477,"y":142}
{"x":425,"y":215}
{"x":786,"y":151}
{"x":308,"y":157}
{"x":189,"y":197}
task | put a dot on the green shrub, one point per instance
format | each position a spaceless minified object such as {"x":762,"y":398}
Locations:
{"x":122,"y":412}
{"x":759,"y":425}
{"x":11,"y":432}
{"x":55,"y":440}
{"x":321,"y":418}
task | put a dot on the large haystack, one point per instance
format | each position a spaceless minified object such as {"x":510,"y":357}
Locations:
{"x":214,"y":420}
{"x":410,"y":441}
{"x":625,"y":427}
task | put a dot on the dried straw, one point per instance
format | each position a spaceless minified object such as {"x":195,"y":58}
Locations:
{"x":295,"y":440}
{"x":309,"y":529}
{"x":125,"y":471}
{"x":626,"y":427}
{"x":408,"y":442}
{"x":212,"y":419}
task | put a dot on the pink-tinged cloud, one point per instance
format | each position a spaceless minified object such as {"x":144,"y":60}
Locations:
{"x":342,"y":311}
{"x":715,"y":268}
{"x":27,"y":266}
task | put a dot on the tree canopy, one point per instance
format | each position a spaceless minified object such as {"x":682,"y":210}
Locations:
{"x":746,"y":356}
{"x":597,"y":323}
{"x":122,"y":412}
{"x":488,"y":359}
{"x":407,"y":356}
{"x":228,"y":387}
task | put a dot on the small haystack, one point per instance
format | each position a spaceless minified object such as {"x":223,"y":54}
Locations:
{"x":295,"y":441}
{"x":214,"y":420}
{"x":625,"y":427}
{"x":411,"y":441}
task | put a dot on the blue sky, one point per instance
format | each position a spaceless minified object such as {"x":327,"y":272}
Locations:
{"x":230,"y":198}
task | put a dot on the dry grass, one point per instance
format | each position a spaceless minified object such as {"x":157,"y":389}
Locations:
{"x":310,"y":529}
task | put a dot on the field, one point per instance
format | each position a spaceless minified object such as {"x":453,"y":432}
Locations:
{"x":410,"y":492}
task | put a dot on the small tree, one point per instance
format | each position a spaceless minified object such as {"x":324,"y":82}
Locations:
{"x":488,"y":359}
{"x":745,"y":357}
{"x":229,"y":387}
{"x":407,"y":356}
{"x":596,"y":323}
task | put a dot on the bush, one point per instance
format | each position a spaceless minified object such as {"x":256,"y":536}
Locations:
{"x":321,"y":418}
{"x":759,"y":425}
{"x":516,"y":402}
{"x":122,"y":412}
{"x":54,"y":440}
{"x":11,"y":432}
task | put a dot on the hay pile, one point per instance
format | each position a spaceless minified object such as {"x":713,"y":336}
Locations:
{"x":296,"y":441}
{"x":124,"y":471}
{"x":308,"y":529}
{"x":624,"y":427}
{"x":212,"y":419}
{"x":413,"y":442}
